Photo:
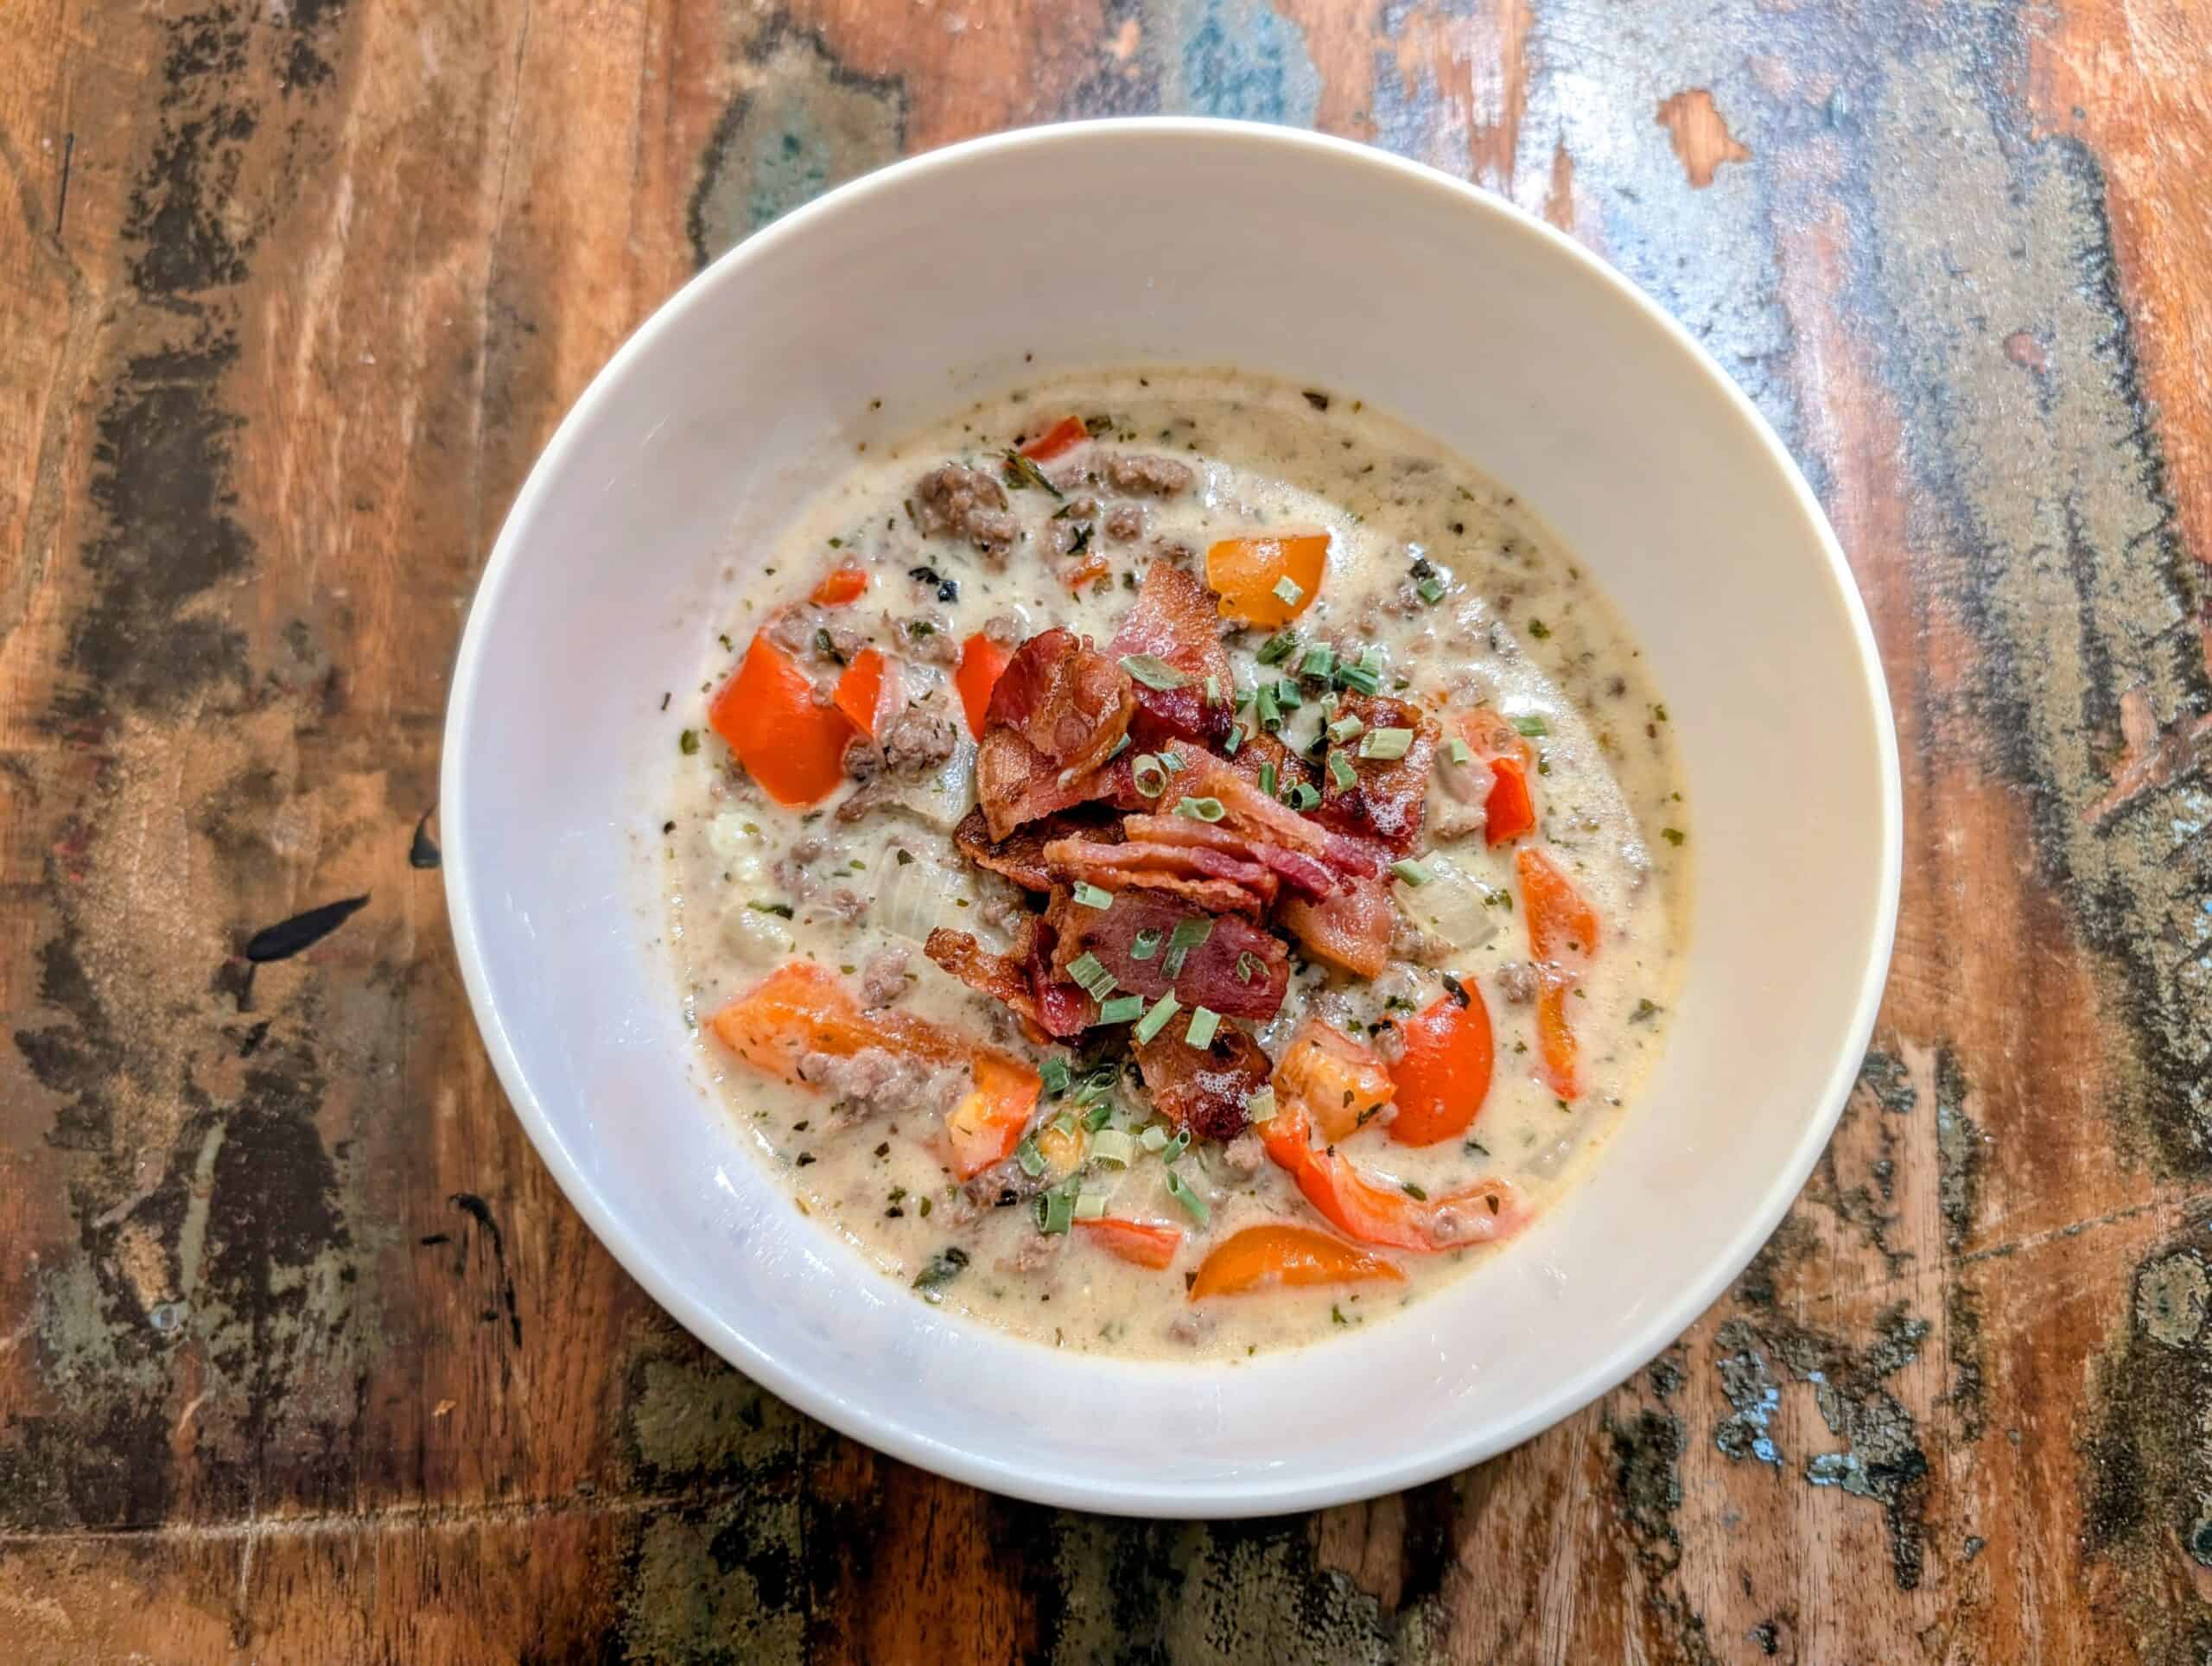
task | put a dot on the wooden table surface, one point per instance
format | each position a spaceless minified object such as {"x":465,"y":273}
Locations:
{"x":303,"y":1356}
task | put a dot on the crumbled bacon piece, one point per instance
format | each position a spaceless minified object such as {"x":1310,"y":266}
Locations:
{"x":1218,"y":883}
{"x":1352,"y":928}
{"x":1204,"y":1089}
{"x":1302,"y":872}
{"x":1024,"y":981}
{"x":1021,"y":854}
{"x":1015,"y":783}
{"x":1385,"y":798}
{"x":1175,"y":619}
{"x":1239,"y":970}
{"x":1065,"y":698}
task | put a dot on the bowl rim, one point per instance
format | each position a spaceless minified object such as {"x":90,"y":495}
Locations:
{"x":1279,"y":1491}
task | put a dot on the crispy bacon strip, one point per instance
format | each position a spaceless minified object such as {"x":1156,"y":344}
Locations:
{"x":1021,"y":854}
{"x":1350,"y":928}
{"x":1015,"y":783}
{"x":1175,"y":619}
{"x":1203,"y":1091}
{"x":1024,"y":982}
{"x":1240,"y":969}
{"x":1218,"y":883}
{"x":1065,"y":698}
{"x":1386,"y":797}
{"x":1251,"y":811}
{"x":1300,"y":871}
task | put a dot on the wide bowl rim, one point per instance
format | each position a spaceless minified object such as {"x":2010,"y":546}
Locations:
{"x":1285,"y":1489}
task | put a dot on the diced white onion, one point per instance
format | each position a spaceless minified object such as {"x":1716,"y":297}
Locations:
{"x":1451,"y":905}
{"x":921,"y":895}
{"x":940,"y":799}
{"x":754,"y":936}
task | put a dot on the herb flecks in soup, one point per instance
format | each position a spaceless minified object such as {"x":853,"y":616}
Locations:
{"x":1173,"y":862}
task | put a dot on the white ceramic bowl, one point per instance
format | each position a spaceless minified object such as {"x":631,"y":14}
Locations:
{"x":1207,"y":243}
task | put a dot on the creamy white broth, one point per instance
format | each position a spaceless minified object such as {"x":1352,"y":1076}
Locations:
{"x":1519,"y":628}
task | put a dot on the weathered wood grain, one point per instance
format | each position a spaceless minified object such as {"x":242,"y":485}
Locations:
{"x":301,"y":1356}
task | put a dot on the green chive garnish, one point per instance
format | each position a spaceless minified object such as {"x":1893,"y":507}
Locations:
{"x":1031,"y":1159}
{"x":1191,"y":932}
{"x":1203,"y":1023}
{"x":1152,"y":671}
{"x":1319,"y":662}
{"x":1288,"y":591}
{"x":1112,"y":1146}
{"x":1121,"y":1009}
{"x":1347,"y":727}
{"x":1057,"y":1076}
{"x":1267,"y":779}
{"x":1202,"y":810}
{"x":1411,"y":872}
{"x":1090,"y":1204}
{"x":1386,"y":743}
{"x":1156,"y":1020}
{"x":1145,"y":946}
{"x":1180,"y":1189}
{"x":1176,"y":1147}
{"x":1055,"y":1211}
{"x":1277,"y":648}
{"x":1172,"y":968}
{"x":1458,"y":751}
{"x":1340,"y":771}
{"x":1098,"y":1115}
{"x":1287,"y":694}
{"x":1093,"y":896}
{"x":1302,"y":796}
{"x":1149,"y":776}
{"x":1153,"y":1136}
{"x":1235,"y":739}
{"x":1532,"y":724}
{"x":1260,"y":1105}
{"x":1430,"y":589}
{"x":1249,"y":966}
{"x":1213,"y":690}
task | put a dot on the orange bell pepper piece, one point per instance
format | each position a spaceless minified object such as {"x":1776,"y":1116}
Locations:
{"x":860,"y":690}
{"x":793,"y":747}
{"x":1562,"y":927}
{"x":1263,"y":1257}
{"x":1443,"y":1075}
{"x":982,"y":662}
{"x":1560,"y":1069}
{"x":1244,"y":572}
{"x":1563,"y":935}
{"x":1063,"y":435}
{"x":847,"y":584}
{"x":1482,"y":1212}
{"x":1338,"y":1081}
{"x":800,"y":1007}
{"x":1146,"y":1243}
{"x":1510,"y":808}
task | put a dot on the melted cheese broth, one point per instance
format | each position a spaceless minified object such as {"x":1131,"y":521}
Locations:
{"x":1521,"y":628}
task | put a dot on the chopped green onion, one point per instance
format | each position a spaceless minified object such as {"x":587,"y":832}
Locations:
{"x":1270,"y":708}
{"x":1176,"y":1147}
{"x":1371,"y":659}
{"x":1156,"y":1020}
{"x":1260,"y":1105}
{"x":1153,"y":1136}
{"x":1120,"y":746}
{"x":1301,"y":797}
{"x":1172,"y":760}
{"x":1319,"y":661}
{"x":1092,"y":973}
{"x":1213,"y":690}
{"x":1330,"y":702}
{"x":1191,"y":932}
{"x":1458,"y":751}
{"x":1340,"y":771}
{"x":1149,"y":776}
{"x":1152,"y":671}
{"x":1172,"y":966}
{"x":1203,"y":1023}
{"x":1249,"y":966}
{"x":1065,"y":1121}
{"x":1202,"y":810}
{"x":1234,"y":739}
{"x":1112,"y":1146}
{"x":1277,"y":648}
{"x":1431,"y":589}
{"x":1267,"y":779}
{"x":1145,"y":946}
{"x":1532,"y":724}
{"x":1093,"y":896}
{"x":1031,"y":1159}
{"x":1057,"y":1076}
{"x":1288,"y":592}
{"x":1090,"y":1204}
{"x":1121,"y":1009}
{"x":1411,"y":872}
{"x":1386,"y":743}
{"x":1055,"y":1211}
{"x":1287,"y":694}
{"x":1358,"y":676}
{"x":1180,"y":1189}
{"x":1347,"y":727}
{"x":1098,"y":1116}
